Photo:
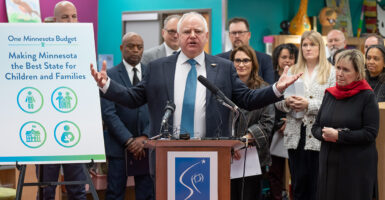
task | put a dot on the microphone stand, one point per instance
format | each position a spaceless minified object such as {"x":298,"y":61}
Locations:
{"x":235,"y":110}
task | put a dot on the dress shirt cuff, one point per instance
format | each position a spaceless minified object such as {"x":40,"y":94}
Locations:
{"x":106,"y":86}
{"x":276,"y":92}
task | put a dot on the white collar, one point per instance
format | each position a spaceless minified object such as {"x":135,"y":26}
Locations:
{"x":169,"y":51}
{"x":130,"y":67}
{"x":200,"y":59}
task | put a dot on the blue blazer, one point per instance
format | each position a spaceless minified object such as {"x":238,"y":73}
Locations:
{"x":122,"y":123}
{"x":157,"y":88}
{"x":265,"y":71}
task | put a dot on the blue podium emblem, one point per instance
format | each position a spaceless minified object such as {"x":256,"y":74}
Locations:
{"x":192,"y":178}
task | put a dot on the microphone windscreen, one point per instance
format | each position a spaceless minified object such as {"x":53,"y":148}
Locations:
{"x":207,"y":84}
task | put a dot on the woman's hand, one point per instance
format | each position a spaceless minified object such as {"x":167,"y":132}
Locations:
{"x":300,"y":103}
{"x":297,"y":103}
{"x":236,"y":155}
{"x":330,"y":134}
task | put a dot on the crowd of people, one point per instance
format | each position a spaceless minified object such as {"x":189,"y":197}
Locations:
{"x":328,"y":128}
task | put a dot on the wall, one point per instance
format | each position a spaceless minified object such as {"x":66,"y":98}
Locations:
{"x":110,"y":20}
{"x":87,"y":10}
{"x":265,"y":16}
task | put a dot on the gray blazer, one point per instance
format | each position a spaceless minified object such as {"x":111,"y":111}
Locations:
{"x":153,"y":54}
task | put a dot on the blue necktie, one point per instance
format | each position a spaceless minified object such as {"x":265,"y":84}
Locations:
{"x":187,"y":122}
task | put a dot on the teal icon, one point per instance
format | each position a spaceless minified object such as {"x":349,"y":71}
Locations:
{"x":30,"y":100}
{"x":33,"y":134}
{"x":67,"y":134}
{"x":64,"y":99}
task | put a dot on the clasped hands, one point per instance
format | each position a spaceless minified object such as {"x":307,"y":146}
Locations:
{"x":136,"y":147}
{"x":297,"y":103}
{"x":330,"y":134}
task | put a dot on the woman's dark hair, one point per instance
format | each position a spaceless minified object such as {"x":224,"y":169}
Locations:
{"x":381,"y":77}
{"x":293,"y":50}
{"x":335,"y":55}
{"x":254,"y":81}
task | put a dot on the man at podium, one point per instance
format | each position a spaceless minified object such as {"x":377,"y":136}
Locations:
{"x":174,"y":79}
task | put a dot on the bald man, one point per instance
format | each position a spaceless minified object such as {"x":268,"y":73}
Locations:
{"x":64,"y":12}
{"x":335,"y":41}
{"x":127,"y":128}
{"x":373,"y":39}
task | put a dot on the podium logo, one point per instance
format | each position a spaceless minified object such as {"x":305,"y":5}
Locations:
{"x":33,"y":134}
{"x":30,"y":100}
{"x":192,"y":178}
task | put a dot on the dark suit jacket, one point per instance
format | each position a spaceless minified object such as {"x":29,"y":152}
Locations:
{"x":265,"y":71}
{"x":157,"y":88}
{"x":122,"y":123}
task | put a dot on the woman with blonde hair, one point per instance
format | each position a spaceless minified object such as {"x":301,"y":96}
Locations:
{"x":302,"y":109}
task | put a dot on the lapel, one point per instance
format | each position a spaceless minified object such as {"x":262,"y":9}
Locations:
{"x":169,"y":75}
{"x":211,"y":73}
{"x":162,"y":51}
{"x":124,"y":75}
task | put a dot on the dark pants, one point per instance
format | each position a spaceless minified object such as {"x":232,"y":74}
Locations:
{"x":252,"y":188}
{"x":72,"y":172}
{"x":276,"y":174}
{"x":117,"y":180}
{"x":304,"y":170}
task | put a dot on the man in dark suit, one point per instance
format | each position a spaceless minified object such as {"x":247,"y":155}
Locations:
{"x":127,"y":128}
{"x":239,"y":33}
{"x":173,"y":78}
{"x":169,"y":46}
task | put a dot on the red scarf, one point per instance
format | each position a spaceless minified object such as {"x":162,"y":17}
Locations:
{"x":342,"y":92}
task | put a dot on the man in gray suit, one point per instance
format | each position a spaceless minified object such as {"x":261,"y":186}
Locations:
{"x":170,"y":45}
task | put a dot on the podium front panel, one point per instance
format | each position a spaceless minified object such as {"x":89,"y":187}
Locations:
{"x":221,"y":175}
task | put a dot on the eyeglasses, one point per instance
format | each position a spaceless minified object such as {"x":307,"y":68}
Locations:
{"x":240,"y":33}
{"x":245,"y":61}
{"x":171,"y":31}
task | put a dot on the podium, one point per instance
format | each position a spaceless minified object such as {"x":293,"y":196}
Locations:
{"x":380,"y":141}
{"x":218,"y":150}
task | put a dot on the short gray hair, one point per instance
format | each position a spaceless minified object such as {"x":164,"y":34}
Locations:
{"x":357,"y":59}
{"x":128,"y":35}
{"x":168,"y":18}
{"x":191,"y":14}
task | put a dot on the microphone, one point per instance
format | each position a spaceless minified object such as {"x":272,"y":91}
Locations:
{"x":168,"y":111}
{"x":217,"y":92}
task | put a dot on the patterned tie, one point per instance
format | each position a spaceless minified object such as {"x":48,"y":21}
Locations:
{"x":187,"y":122}
{"x":135,"y":79}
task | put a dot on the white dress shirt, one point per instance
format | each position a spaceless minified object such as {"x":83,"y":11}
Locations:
{"x":130,"y":71}
{"x":181,"y":71}
{"x":169,"y":51}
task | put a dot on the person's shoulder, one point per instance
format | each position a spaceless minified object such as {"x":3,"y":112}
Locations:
{"x":225,"y":55}
{"x":262,"y":55}
{"x":152,"y":50}
{"x":115,"y":69}
{"x":217,"y":59}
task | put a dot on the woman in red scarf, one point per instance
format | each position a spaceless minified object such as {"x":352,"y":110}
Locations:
{"x":347,"y":124}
